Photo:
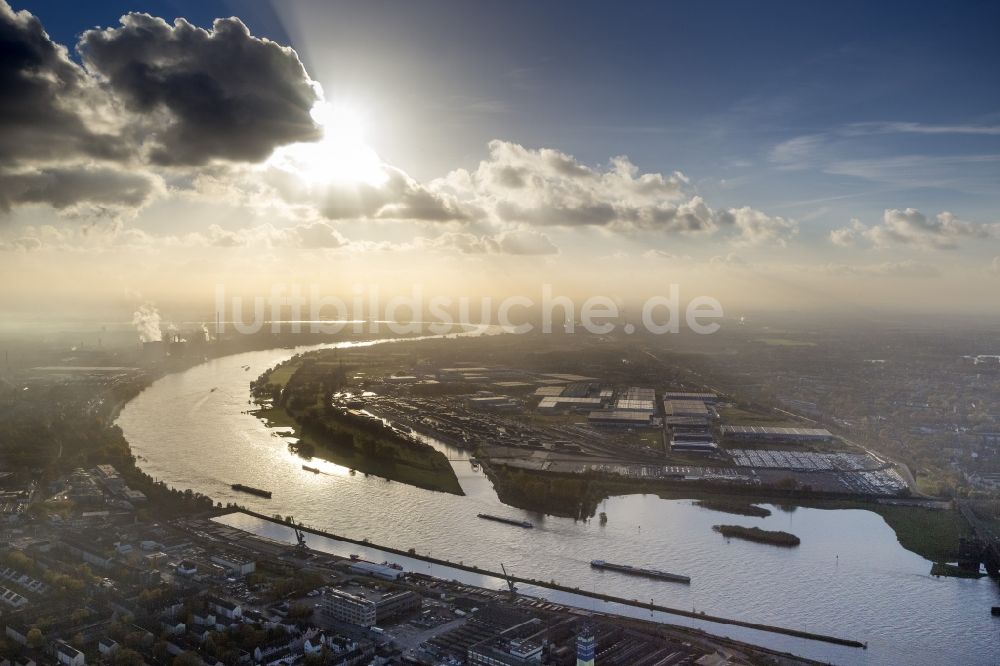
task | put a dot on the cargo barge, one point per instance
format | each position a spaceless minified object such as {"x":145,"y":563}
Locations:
{"x":253,"y":491}
{"x":636,"y":571}
{"x":508,"y":521}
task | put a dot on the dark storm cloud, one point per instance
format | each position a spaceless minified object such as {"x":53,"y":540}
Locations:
{"x":65,"y":187}
{"x":218,"y":94}
{"x":42,"y":90}
{"x":149,"y":93}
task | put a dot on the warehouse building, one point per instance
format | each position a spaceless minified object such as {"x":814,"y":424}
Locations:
{"x":561,"y":403}
{"x":498,"y":403}
{"x":392,"y":605}
{"x":368,"y":609}
{"x":637,"y":393}
{"x":383,"y":571}
{"x":235,"y":564}
{"x":709,"y":398}
{"x":690,"y":408}
{"x":501,"y":651}
{"x":629,"y":405}
{"x":765,"y":433}
{"x":615,"y":418}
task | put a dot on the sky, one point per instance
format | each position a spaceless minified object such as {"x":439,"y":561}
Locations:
{"x":772,"y":155}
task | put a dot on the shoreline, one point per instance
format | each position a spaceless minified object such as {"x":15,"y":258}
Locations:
{"x":910,"y":530}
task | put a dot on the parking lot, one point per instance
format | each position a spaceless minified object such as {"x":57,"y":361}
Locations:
{"x":803,"y":460}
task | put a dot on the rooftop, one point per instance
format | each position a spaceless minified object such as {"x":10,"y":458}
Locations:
{"x":618,"y":415}
{"x":672,"y":407}
{"x":554,"y":401}
{"x":785,"y":432}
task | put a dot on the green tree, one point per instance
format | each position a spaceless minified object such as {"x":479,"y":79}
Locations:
{"x":127,"y":657}
{"x":35,"y":637}
{"x":187,"y":659}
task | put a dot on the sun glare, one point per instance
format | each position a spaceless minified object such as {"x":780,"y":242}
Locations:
{"x":341,"y":157}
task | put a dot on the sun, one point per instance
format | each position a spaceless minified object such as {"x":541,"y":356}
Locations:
{"x":341,"y":157}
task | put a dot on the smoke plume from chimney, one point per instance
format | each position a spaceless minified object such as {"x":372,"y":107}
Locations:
{"x":147,"y":322}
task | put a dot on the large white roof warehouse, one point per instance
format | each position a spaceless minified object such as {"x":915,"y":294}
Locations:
{"x":765,"y":432}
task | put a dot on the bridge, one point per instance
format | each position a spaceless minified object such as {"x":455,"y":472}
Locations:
{"x":985,"y":547}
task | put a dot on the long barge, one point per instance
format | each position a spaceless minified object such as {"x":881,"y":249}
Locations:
{"x":636,"y":571}
{"x":253,"y":491}
{"x":508,"y":521}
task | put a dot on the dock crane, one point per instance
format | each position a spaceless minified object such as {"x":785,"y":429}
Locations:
{"x":510,"y":581}
{"x":300,"y":537}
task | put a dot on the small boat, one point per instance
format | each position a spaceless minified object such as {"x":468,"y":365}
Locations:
{"x":314,"y":470}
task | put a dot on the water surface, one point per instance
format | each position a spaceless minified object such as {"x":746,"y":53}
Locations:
{"x":849,"y":578}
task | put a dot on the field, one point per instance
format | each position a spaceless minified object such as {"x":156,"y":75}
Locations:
{"x":281,"y":375}
{"x":932,"y":533}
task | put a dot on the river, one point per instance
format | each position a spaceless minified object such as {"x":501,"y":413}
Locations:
{"x":850,"y":577}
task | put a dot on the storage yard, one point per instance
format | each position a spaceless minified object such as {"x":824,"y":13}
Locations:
{"x":844,"y":462}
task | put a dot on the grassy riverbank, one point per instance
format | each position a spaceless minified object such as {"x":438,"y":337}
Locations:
{"x":734,"y":507}
{"x":298,"y":394}
{"x":931,"y":533}
{"x":386,"y":458}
